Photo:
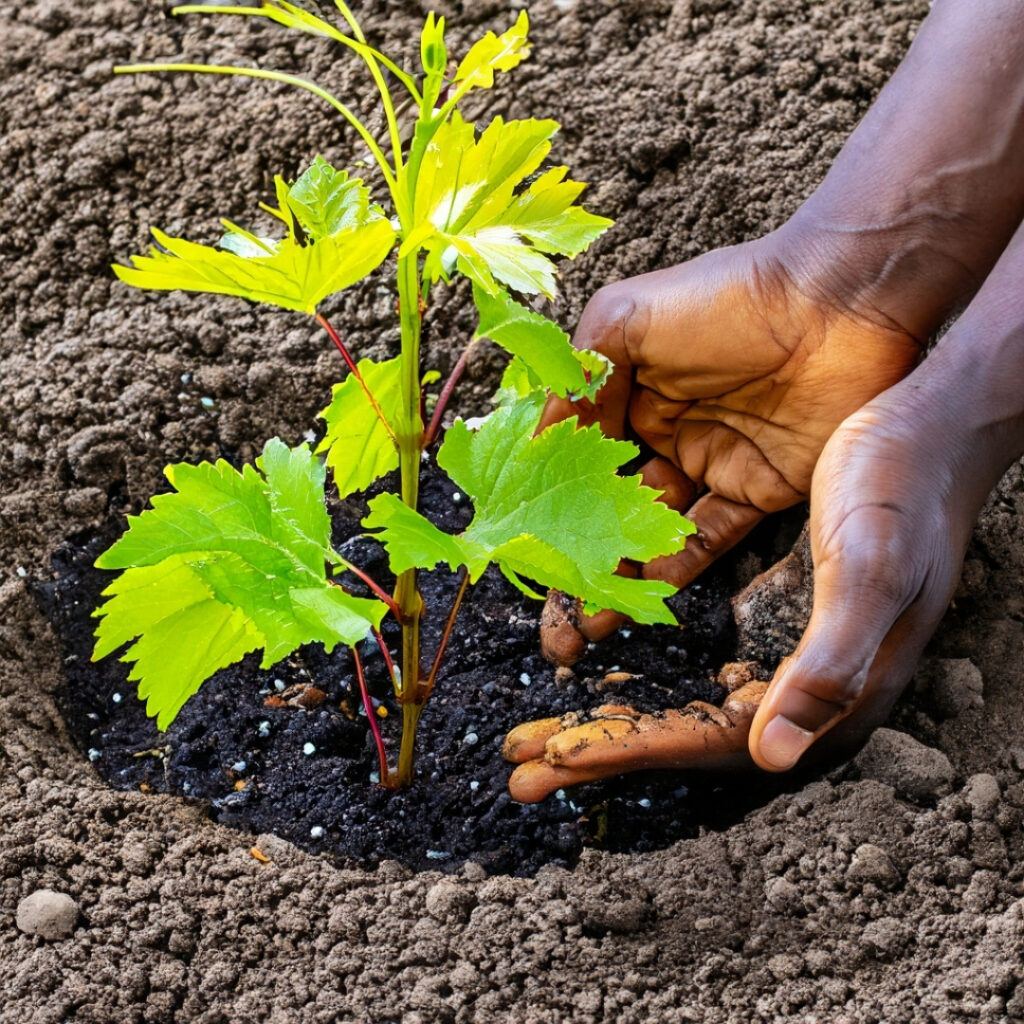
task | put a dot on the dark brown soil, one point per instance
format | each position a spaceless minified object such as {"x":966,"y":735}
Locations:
{"x":458,"y":807}
{"x":890,"y":891}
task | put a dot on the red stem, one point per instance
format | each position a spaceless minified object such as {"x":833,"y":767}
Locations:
{"x":376,"y":588}
{"x":372,"y":716}
{"x":350,"y":362}
{"x":430,"y":435}
{"x":387,"y":659}
{"x":427,"y":687}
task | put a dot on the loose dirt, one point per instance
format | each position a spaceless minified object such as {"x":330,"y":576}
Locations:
{"x":889,"y":890}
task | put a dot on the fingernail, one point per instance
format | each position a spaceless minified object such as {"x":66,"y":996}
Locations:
{"x":783,"y":741}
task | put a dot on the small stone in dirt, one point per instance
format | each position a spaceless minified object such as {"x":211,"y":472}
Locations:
{"x":524,"y":678}
{"x":438,"y":854}
{"x":317,"y":832}
{"x":94,"y":754}
{"x":116,"y":698}
{"x":982,"y":793}
{"x":448,"y":899}
{"x":872,"y":864}
{"x":915,"y":771}
{"x":48,"y":914}
{"x":308,"y":748}
{"x":784,"y":896}
{"x":471,"y":739}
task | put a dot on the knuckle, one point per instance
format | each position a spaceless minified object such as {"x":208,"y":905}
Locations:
{"x":606,"y":320}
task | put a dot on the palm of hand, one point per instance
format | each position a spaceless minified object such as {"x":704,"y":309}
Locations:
{"x":737,"y":377}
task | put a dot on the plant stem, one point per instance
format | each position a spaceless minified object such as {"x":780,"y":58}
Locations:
{"x":350,"y":362}
{"x":446,"y":393}
{"x":385,"y":775}
{"x":409,"y":435}
{"x":387,"y":659}
{"x":428,"y":686}
{"x":377,"y":589}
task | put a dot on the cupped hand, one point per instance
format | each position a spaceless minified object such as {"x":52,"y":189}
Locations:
{"x":894,"y":498}
{"x":735,"y":368}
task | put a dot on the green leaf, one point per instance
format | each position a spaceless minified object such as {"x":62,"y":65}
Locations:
{"x":359,"y":449}
{"x":413,"y":541}
{"x":549,"y":507}
{"x":327,"y":201}
{"x":284,"y":13}
{"x":474,"y":220}
{"x":542,"y":347}
{"x":228,"y":563}
{"x":493,"y":53}
{"x":642,"y":600}
{"x":434,"y":59}
{"x":335,"y":238}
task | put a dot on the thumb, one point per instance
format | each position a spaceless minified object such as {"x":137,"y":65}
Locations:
{"x":859,"y":595}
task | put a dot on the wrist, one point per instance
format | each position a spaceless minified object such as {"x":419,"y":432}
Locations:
{"x":890,"y":269}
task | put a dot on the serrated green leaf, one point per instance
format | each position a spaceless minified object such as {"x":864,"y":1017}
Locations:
{"x":358,"y":446}
{"x":549,"y":507}
{"x":494,"y":53}
{"x":470,"y":216}
{"x":328,"y":201}
{"x":335,"y":238}
{"x":642,"y":600}
{"x":413,"y":541}
{"x":542,"y":347}
{"x":228,"y":563}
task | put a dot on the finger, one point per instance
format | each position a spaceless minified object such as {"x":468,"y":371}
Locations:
{"x":860,"y":592}
{"x":533,"y":781}
{"x":677,"y":489}
{"x":721,"y":524}
{"x":526,"y":741}
{"x":699,"y":736}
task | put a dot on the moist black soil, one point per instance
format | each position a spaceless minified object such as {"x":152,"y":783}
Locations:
{"x":250,"y":764}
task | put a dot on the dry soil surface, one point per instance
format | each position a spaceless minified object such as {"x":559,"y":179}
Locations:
{"x":890,"y":891}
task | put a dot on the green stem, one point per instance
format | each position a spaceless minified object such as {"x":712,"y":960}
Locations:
{"x":409,"y":435}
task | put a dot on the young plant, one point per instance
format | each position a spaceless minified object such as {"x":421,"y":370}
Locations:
{"x":236,"y":561}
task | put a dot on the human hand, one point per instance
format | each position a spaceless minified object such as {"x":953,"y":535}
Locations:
{"x":735,"y":368}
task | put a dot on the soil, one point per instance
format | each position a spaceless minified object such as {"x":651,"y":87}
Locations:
{"x":888,"y":890}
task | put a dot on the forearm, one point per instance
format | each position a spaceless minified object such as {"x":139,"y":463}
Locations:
{"x":930,"y":187}
{"x":979,"y":364}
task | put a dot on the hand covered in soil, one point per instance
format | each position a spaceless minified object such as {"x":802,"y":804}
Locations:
{"x":557,"y":752}
{"x":894,"y":499}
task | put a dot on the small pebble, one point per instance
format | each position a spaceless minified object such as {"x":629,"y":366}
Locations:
{"x":524,"y":678}
{"x":317,"y":832}
{"x":279,"y":685}
{"x":625,"y":633}
{"x":186,"y":378}
{"x":456,"y":497}
{"x":21,"y":571}
{"x":206,"y":402}
{"x":94,"y":754}
{"x":471,"y":739}
{"x":186,"y":787}
{"x":116,"y":698}
{"x":438,"y":854}
{"x":48,"y":914}
{"x":644,"y":802}
{"x":375,"y":776}
{"x":309,"y":436}
{"x":560,"y":795}
{"x":474,"y":785}
{"x":308,"y":748}
{"x":263,"y":729}
{"x":239,"y":766}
